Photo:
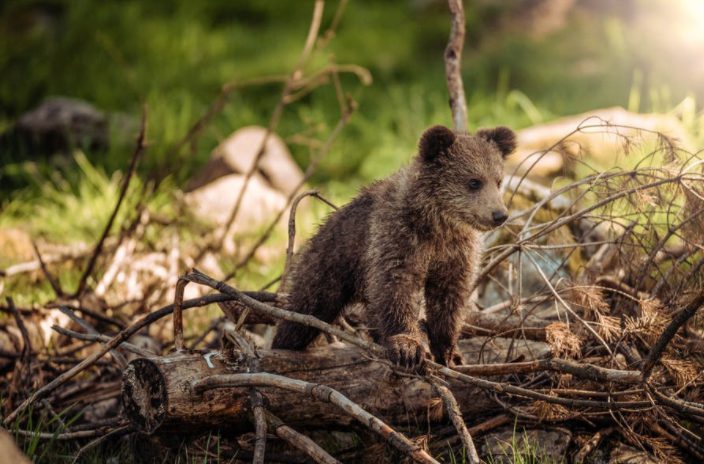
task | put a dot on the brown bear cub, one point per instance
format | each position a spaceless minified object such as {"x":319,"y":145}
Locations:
{"x":410,"y":241}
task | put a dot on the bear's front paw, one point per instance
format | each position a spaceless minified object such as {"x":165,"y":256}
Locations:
{"x":449,"y":357}
{"x":456,"y":358}
{"x":406,"y":351}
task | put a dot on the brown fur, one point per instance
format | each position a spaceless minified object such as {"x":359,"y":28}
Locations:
{"x":410,"y":240}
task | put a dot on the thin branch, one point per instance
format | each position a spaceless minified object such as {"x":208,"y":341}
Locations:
{"x":102,"y":339}
{"x":377,"y":350}
{"x":581,"y":370}
{"x":53,"y":281}
{"x":299,"y":441}
{"x":453,"y":411}
{"x":178,"y":316}
{"x":320,"y":393}
{"x":113,"y":343}
{"x":669,"y":333}
{"x":292,"y":228}
{"x":295,"y":75}
{"x":453,"y":65}
{"x":136,"y":155}
{"x":116,"y":432}
{"x":257,"y":403}
{"x":310,"y":170}
{"x":27,"y":350}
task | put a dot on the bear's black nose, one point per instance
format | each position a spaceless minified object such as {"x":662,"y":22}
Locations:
{"x":499,"y":217}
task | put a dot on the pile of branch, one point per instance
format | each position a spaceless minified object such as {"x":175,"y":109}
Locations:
{"x":588,"y":318}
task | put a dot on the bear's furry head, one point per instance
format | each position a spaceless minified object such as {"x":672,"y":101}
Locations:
{"x":460,"y":174}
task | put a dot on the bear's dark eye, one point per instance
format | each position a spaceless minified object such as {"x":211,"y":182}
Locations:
{"x":475,"y":184}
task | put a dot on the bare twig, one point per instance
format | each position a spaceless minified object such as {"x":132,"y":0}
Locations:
{"x":299,"y":441}
{"x":178,"y":316}
{"x":581,"y":370}
{"x":101,"y":339}
{"x":453,"y":410}
{"x":26,"y":351}
{"x":288,"y":87}
{"x":113,"y":343}
{"x":320,"y":393}
{"x":92,"y":444}
{"x":119,"y":359}
{"x":310,"y":170}
{"x":375,"y":349}
{"x":591,"y":445}
{"x":53,"y":281}
{"x":260,"y":426}
{"x":669,"y":333}
{"x":292,"y":228}
{"x":453,"y":65}
{"x":136,"y":155}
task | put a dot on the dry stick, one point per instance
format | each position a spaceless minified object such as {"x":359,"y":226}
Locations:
{"x":53,"y":281}
{"x":101,"y":339}
{"x":565,"y":220}
{"x":111,"y":434}
{"x":375,"y":349}
{"x":567,"y":306}
{"x":458,"y":106}
{"x":114,"y":342}
{"x":257,"y":402}
{"x":453,"y":410}
{"x":178,"y":316}
{"x":255,"y":398}
{"x":683,"y":438}
{"x":136,"y":155}
{"x":321,"y":393}
{"x":481,"y":428}
{"x":585,"y":371}
{"x":27,"y":343}
{"x":453,"y":68}
{"x":119,"y":359}
{"x":99,"y":432}
{"x":198,"y":277}
{"x":31,"y":266}
{"x":292,"y":229}
{"x":310,"y":170}
{"x":276,"y":116}
{"x":299,"y":441}
{"x":87,"y":312}
{"x":669,"y":333}
{"x":592,"y":444}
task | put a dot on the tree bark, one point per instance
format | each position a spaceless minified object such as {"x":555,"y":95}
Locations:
{"x":157,"y":392}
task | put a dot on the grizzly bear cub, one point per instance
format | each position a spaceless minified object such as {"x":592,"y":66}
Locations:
{"x":408,"y":241}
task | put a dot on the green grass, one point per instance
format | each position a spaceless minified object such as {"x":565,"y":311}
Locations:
{"x":522,"y":450}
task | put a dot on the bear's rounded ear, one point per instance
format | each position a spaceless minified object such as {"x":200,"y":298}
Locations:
{"x":434,"y":142}
{"x":503,"y":137}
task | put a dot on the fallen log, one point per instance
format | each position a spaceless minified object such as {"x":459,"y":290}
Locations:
{"x":158,"y":392}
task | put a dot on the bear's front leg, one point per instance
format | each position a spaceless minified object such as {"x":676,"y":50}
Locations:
{"x":447,"y":295}
{"x":394,"y":298}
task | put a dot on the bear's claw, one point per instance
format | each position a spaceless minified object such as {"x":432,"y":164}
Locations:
{"x":406,"y":351}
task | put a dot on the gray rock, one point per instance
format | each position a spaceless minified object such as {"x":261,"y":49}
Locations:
{"x":236,"y":154}
{"x":58,"y":124}
{"x":214,"y":202}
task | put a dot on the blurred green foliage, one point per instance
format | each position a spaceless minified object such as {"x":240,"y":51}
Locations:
{"x":176,"y":55}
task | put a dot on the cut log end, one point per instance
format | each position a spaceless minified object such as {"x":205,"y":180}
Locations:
{"x":144,"y":395}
